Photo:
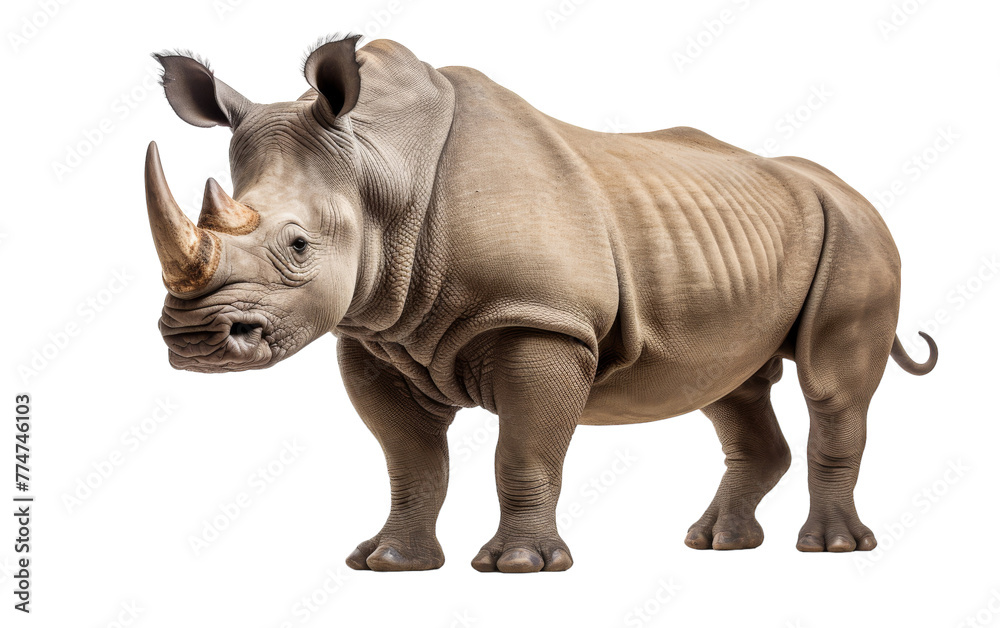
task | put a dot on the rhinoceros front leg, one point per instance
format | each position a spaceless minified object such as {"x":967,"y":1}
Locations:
{"x":540,"y":384}
{"x":413,"y":437}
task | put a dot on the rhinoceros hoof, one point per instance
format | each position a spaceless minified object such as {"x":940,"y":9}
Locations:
{"x":835,"y":533}
{"x":390,"y":555}
{"x":727,"y":532}
{"x":523,"y":556}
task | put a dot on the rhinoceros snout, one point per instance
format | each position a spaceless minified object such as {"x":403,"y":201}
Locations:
{"x":215,"y":338}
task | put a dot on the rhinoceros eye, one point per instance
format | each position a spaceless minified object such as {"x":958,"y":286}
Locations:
{"x":299,"y":244}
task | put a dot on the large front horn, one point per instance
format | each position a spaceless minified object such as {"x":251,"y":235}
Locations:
{"x":219,"y":212}
{"x":188,"y":254}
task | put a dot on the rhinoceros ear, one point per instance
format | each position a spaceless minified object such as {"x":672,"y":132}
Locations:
{"x":196,"y":95}
{"x":332,"y":70}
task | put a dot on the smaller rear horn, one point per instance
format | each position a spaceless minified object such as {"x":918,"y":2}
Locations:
{"x":219,"y":212}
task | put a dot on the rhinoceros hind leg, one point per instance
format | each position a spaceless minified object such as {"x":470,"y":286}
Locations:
{"x":836,"y":442}
{"x":846,"y":331}
{"x":756,"y":458}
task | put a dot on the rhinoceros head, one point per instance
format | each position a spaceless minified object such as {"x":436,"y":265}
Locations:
{"x":263,"y":274}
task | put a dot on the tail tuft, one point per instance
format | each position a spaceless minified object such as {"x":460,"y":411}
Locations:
{"x":906,"y":363}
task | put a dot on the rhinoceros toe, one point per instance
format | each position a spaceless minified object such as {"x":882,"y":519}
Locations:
{"x":545,"y":556}
{"x":726,"y":532}
{"x":835,"y":531}
{"x":393,"y":556}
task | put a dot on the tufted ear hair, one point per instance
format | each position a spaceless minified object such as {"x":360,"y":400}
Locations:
{"x":332,"y":69}
{"x":195,"y":95}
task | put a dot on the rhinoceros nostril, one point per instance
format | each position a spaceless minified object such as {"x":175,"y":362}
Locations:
{"x":242,"y":329}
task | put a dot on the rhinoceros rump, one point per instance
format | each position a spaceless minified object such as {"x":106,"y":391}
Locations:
{"x":468,"y":250}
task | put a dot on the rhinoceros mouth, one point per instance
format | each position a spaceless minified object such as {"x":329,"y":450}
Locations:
{"x":217,"y":339}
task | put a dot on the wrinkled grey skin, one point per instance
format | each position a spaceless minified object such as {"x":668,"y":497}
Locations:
{"x":468,"y":250}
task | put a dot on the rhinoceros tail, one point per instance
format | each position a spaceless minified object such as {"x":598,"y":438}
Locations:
{"x":906,"y":363}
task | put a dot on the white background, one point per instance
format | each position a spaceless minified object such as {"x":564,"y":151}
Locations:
{"x":612,"y":66}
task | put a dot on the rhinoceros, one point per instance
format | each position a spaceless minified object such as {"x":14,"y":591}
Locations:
{"x":467,"y":250}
